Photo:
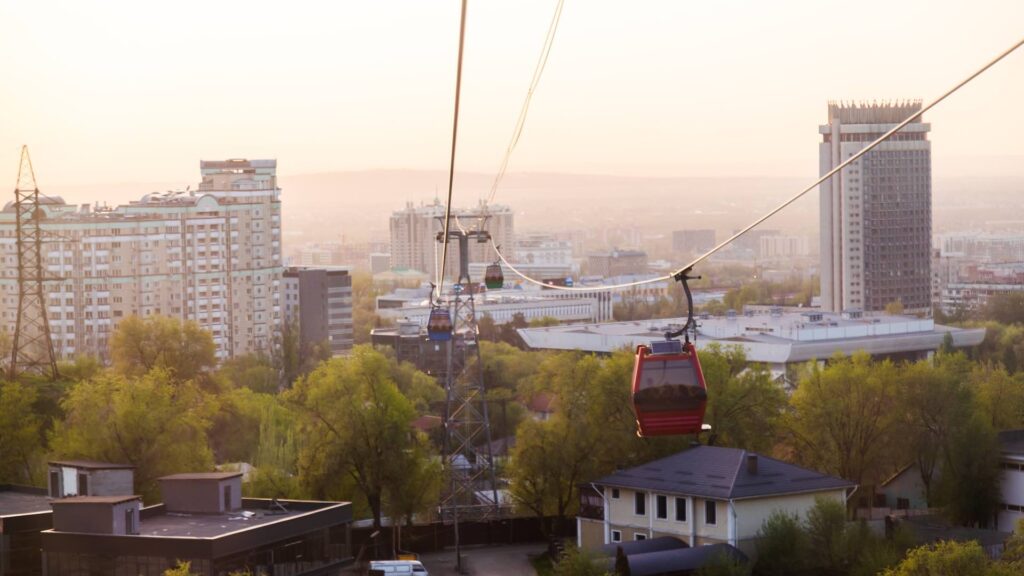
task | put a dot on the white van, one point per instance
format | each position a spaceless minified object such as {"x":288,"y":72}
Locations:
{"x":399,"y":567}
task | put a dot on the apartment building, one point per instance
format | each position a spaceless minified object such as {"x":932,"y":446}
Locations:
{"x":414,"y":230}
{"x":319,"y":302}
{"x":212,"y":255}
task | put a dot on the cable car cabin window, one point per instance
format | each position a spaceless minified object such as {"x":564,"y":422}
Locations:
{"x":669,"y":385}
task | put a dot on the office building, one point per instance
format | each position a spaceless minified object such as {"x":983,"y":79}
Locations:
{"x":212,"y":255}
{"x":783,"y":247}
{"x":617,"y":263}
{"x":318,"y":301}
{"x":414,"y":231}
{"x":876,"y":215}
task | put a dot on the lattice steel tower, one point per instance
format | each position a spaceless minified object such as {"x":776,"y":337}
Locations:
{"x":472,"y":493}
{"x":32,"y":349}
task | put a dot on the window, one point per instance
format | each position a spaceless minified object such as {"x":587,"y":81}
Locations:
{"x":638,"y":536}
{"x":129,"y":521}
{"x":902,"y":503}
{"x":227,"y":498}
{"x":680,"y":509}
{"x":661,"y":506}
{"x":709,"y":512}
{"x":615,"y":493}
{"x":616,"y":536}
{"x":640,"y":503}
{"x":54,"y":485}
{"x":83,"y":484}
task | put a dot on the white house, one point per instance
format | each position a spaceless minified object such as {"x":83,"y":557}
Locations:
{"x":704,"y":495}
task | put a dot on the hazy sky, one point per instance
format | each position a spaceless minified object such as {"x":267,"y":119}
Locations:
{"x":119,"y":91}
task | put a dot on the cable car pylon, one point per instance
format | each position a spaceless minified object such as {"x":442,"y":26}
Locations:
{"x":472,"y":492}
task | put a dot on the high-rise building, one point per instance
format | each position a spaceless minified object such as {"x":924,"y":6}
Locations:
{"x":414,"y":244}
{"x":319,"y":302}
{"x":876,"y":214}
{"x":693,"y":241}
{"x":212,"y":255}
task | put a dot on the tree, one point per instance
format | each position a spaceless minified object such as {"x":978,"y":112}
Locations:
{"x":182,"y":349}
{"x":576,"y":562}
{"x":1007,"y":308}
{"x":153,"y":422}
{"x":1000,"y":397}
{"x":948,"y":558}
{"x":254,"y":371}
{"x":842,"y":415}
{"x":722,"y":564}
{"x":20,"y":438}
{"x":894,"y":308}
{"x":295,"y":358}
{"x":969,"y":484}
{"x":827,"y":536}
{"x":182,"y":569}
{"x":358,"y":429}
{"x":782,"y":546}
{"x":744,"y":403}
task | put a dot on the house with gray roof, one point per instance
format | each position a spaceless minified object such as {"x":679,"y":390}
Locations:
{"x":703,"y":495}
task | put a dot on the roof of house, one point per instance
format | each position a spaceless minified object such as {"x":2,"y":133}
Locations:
{"x":91,"y":465}
{"x":721,"y":473}
{"x":201,"y":476}
{"x":22,"y":500}
{"x":95,"y":500}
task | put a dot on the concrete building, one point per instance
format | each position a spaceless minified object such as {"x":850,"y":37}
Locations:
{"x":212,"y":255}
{"x":203,"y":520}
{"x":876,"y":215}
{"x":975,"y":284}
{"x":979,"y":247}
{"x":414,"y":230}
{"x":693,"y":241}
{"x":319,"y":302}
{"x":617,"y":263}
{"x":783,"y":247}
{"x":777,"y":338}
{"x":704,"y":495}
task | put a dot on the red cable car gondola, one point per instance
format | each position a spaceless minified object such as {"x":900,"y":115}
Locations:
{"x":439,"y":324}
{"x":494,"y":278}
{"x":669,"y":393}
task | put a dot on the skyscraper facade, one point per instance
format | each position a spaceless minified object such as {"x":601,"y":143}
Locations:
{"x":876,"y":214}
{"x":212,"y":255}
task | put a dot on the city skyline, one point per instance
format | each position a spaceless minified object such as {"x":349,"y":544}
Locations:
{"x":129,"y":93}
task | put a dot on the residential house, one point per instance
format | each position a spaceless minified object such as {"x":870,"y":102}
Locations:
{"x":704,"y":495}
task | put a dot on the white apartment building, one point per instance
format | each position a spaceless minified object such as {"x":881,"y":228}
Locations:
{"x":414,"y":230}
{"x":212,"y":255}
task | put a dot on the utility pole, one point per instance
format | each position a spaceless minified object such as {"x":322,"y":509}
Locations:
{"x":467,"y":430}
{"x":32,"y":349}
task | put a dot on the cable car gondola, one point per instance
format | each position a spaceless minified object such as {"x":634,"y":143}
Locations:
{"x":494,"y":278}
{"x":439,"y":325}
{"x":669,"y":393}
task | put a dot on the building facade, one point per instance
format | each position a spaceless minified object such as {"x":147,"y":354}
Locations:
{"x":693,"y":241}
{"x":414,"y":231}
{"x":211,"y":255}
{"x":617,"y":263}
{"x":318,"y":301}
{"x":876,"y":215}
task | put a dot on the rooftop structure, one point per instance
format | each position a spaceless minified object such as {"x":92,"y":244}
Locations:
{"x":773,"y":336}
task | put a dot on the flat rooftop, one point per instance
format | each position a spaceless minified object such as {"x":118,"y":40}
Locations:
{"x":159,"y":523}
{"x":19,"y":500}
{"x":772,"y":337}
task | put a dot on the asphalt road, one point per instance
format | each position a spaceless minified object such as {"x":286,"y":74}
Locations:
{"x":485,"y":561}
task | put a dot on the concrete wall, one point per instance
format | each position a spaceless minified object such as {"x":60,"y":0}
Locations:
{"x":111,"y":482}
{"x":750,"y":514}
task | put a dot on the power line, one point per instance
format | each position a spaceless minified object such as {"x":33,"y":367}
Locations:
{"x":451,"y":166}
{"x":538,"y":71}
{"x":794,"y":198}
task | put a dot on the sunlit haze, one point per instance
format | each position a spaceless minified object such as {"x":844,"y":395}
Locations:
{"x":114,"y":92}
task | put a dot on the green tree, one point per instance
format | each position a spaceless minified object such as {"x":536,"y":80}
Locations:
{"x":969,"y":483}
{"x":827,"y":536}
{"x":842,"y":416}
{"x":947,"y":558}
{"x":782,"y":547}
{"x":294,"y":358}
{"x":744,"y":402}
{"x":1007,"y":308}
{"x":722,"y":564}
{"x":20,"y":435}
{"x":182,"y":349}
{"x":183,"y":568}
{"x":254,"y":371}
{"x":1000,"y":397}
{"x":576,"y":562}
{"x":154,"y":422}
{"x":358,"y":429}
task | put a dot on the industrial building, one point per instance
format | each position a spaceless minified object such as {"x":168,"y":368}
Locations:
{"x":876,"y":214}
{"x":319,"y":302}
{"x":775,"y":337}
{"x":211,"y":255}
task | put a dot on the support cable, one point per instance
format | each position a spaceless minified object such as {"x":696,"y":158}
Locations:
{"x":538,"y":71}
{"x":778,"y":208}
{"x":451,"y":166}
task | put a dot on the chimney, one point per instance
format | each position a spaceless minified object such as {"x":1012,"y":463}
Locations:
{"x":752,"y":464}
